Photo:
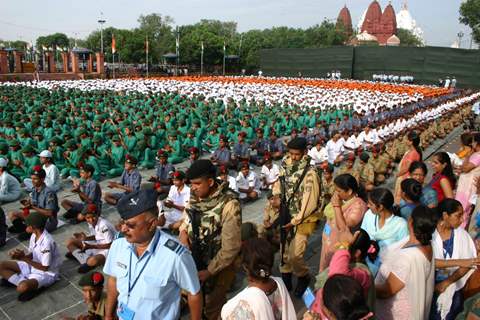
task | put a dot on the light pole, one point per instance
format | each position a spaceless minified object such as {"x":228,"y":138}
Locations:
{"x":201,"y":59}
{"x":101,"y":21}
{"x":460,"y":36}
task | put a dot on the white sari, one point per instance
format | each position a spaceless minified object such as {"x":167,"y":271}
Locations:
{"x":253,"y":304}
{"x":463,"y":248}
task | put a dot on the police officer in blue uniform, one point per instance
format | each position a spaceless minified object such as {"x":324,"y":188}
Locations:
{"x":147,"y":267}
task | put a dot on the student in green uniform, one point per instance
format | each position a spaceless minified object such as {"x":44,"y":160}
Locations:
{"x":117,"y":154}
{"x":72,"y":158}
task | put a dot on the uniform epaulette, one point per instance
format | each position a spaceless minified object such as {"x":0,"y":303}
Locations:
{"x":174,"y":246}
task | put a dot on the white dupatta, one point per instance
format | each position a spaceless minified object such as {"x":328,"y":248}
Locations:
{"x":463,"y":248}
{"x":252,"y":304}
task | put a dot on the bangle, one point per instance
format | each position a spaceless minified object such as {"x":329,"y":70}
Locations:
{"x":336,"y":206}
{"x":342,"y":245}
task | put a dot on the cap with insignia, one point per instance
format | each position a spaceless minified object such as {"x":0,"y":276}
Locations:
{"x":364,"y":157}
{"x":91,"y":279}
{"x":298,"y":143}
{"x":201,"y":168}
{"x":13,"y":143}
{"x":136,"y":203}
{"x":38,"y":171}
{"x":36,"y":220}
{"x":178,"y":175}
{"x":90,"y":208}
{"x":27,"y":149}
{"x":131,"y":159}
{"x":162,"y":153}
{"x":193,"y":150}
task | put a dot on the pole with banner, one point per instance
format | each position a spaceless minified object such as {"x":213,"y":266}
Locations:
{"x":146,"y":53}
{"x":201,"y":59}
{"x":114,"y":49}
{"x":177,"y":50}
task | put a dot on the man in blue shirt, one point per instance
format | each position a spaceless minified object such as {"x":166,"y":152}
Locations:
{"x":148,"y":268}
{"x":130,"y":181}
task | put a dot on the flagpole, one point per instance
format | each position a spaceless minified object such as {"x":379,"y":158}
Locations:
{"x":113,"y":64}
{"x":147,"y":54}
{"x":201,"y":61}
{"x":224,"y":49}
{"x":177,"y":51}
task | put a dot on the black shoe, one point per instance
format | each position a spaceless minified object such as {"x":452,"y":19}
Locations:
{"x":69,"y":255}
{"x":302,"y":284}
{"x":24,"y":236}
{"x":287,"y":280}
{"x":28,"y":295}
{"x":84,"y":268}
{"x":5,"y":283}
{"x":70,"y":214}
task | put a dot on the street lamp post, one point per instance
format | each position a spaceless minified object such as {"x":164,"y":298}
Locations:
{"x":460,"y":36}
{"x":101,"y":21}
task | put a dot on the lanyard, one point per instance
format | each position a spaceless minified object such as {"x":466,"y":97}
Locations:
{"x":130,"y":287}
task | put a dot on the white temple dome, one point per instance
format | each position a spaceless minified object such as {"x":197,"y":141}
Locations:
{"x":393,"y":41}
{"x":365,"y":36}
{"x":405,"y":21}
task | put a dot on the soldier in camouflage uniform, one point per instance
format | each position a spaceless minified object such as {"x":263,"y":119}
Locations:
{"x":348,"y":167}
{"x":365,"y":172}
{"x":303,"y":209}
{"x":380,"y":163}
{"x":220,"y":223}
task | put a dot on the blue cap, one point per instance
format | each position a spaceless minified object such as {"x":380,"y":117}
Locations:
{"x":136,"y":203}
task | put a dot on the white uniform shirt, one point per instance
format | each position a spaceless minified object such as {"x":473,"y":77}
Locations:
{"x":318,"y":156}
{"x":271,"y":175}
{"x":251,"y":181}
{"x":178,"y":198}
{"x":52,"y":178}
{"x":104,"y":233}
{"x":45,"y":252}
{"x":334,"y":149}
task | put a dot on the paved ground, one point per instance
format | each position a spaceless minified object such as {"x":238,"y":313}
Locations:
{"x":64,"y":298}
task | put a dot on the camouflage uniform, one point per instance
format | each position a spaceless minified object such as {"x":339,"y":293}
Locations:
{"x":365,"y":173}
{"x":380,"y":167}
{"x":221,"y":213}
{"x":303,"y":210}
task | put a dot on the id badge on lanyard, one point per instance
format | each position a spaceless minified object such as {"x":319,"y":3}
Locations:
{"x":124,"y":312}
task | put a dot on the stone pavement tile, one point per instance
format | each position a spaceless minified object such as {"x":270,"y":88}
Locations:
{"x":55,"y":298}
{"x":72,"y":311}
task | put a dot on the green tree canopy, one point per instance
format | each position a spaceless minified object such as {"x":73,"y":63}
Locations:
{"x":53,"y":41}
{"x":470,"y":16}
{"x":408,"y":39}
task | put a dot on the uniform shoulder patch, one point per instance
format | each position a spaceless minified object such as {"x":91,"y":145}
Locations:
{"x":172,"y":245}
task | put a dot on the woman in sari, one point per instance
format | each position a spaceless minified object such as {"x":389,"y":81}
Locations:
{"x":443,"y":180}
{"x":466,"y":149}
{"x":455,"y":256}
{"x":418,"y":171}
{"x":470,"y":170}
{"x":414,"y":153}
{"x":265,"y":297}
{"x":383,"y":223}
{"x":405,"y":281}
{"x":347,"y":203}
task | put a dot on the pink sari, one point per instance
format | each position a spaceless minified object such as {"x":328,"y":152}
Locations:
{"x":466,"y":186}
{"x":354,"y":210}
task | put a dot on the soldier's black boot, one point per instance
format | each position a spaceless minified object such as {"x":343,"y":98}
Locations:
{"x":302,"y":284}
{"x":287,"y":279}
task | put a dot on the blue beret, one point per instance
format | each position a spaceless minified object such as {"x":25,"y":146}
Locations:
{"x":136,"y":203}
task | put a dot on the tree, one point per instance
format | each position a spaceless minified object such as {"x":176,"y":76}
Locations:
{"x":470,"y":16}
{"x":161,"y":39}
{"x":53,"y":41}
{"x":408,"y":39}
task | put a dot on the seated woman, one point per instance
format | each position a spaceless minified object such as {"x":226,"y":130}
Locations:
{"x":418,"y":171}
{"x":405,"y":281}
{"x":455,"y":255}
{"x":265,"y":297}
{"x":411,"y":193}
{"x":383,"y":223}
{"x":10,"y":189}
{"x":344,"y":202}
{"x":348,"y":260}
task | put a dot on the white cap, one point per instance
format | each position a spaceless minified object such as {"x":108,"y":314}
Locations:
{"x":45,"y":154}
{"x":3,"y":162}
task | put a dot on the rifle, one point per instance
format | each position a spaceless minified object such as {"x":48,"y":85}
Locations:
{"x":284,"y":216}
{"x":202,"y":249}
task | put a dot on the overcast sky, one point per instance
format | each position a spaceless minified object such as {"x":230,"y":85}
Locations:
{"x":28,"y":19}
